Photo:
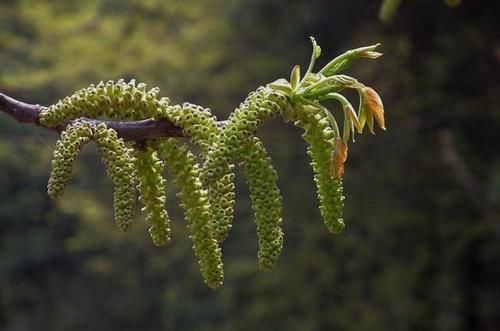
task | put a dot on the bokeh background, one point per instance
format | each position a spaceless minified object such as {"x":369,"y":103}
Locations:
{"x":421,"y":250}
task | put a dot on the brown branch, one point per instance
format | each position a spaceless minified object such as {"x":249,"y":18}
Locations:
{"x":128,"y":130}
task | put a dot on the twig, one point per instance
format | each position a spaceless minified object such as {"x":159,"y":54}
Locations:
{"x":128,"y":130}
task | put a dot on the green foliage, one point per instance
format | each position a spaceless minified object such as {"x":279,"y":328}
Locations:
{"x":66,"y":45}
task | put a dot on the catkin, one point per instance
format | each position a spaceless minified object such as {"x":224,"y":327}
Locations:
{"x":151,"y":186}
{"x":320,"y":138}
{"x":266,"y":202}
{"x":186,"y":172}
{"x":197,"y":123}
{"x":72,"y":139}
{"x":236,"y":142}
{"x":120,"y":168}
{"x":115,"y":100}
{"x":200,"y":125}
{"x":259,"y":106}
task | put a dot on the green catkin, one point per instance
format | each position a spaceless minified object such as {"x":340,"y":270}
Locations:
{"x":197,"y":123}
{"x":200,"y":125}
{"x":320,"y":138}
{"x":266,"y":202}
{"x":259,"y":106}
{"x":151,"y":186}
{"x":236,"y":142}
{"x":119,"y":164}
{"x":186,"y":172}
{"x":116,"y":100}
{"x":69,"y":145}
{"x":207,"y":193}
{"x":221,"y":197}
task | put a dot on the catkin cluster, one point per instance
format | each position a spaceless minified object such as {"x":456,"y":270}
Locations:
{"x":206,"y":181}
{"x":260,"y":105}
{"x":200,"y":125}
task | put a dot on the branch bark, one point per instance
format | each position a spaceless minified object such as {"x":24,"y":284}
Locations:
{"x":128,"y":130}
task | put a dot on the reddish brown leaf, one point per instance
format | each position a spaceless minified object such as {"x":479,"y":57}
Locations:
{"x":373,"y":105}
{"x":339,"y":156}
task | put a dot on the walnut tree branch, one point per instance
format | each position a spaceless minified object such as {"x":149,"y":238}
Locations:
{"x":128,"y":130}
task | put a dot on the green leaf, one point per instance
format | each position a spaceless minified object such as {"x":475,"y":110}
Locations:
{"x":343,"y":61}
{"x":295,"y":77}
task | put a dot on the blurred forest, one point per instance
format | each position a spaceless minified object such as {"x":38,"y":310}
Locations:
{"x":421,"y":249}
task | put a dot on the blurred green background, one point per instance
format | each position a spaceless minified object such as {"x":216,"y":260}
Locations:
{"x":421,"y":249}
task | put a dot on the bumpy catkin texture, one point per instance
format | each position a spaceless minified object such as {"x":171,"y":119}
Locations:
{"x":320,"y":138}
{"x":266,"y":202}
{"x":151,"y":186}
{"x":183,"y":166}
{"x":116,"y":100}
{"x":67,"y":149}
{"x":200,"y":125}
{"x":259,"y":106}
{"x":235,"y":143}
{"x":197,"y":123}
{"x":120,"y":168}
{"x":221,"y":197}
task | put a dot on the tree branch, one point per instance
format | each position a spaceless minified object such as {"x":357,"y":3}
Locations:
{"x":128,"y":130}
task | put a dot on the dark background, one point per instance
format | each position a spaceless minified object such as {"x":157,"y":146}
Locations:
{"x":421,"y":247}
